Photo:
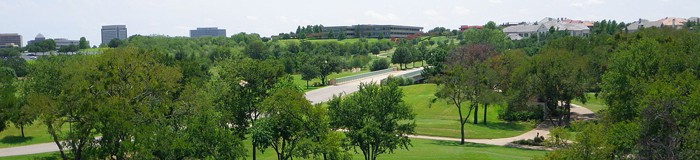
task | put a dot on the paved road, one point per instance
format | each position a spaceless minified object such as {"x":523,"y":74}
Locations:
{"x":316,"y":96}
{"x":326,"y":93}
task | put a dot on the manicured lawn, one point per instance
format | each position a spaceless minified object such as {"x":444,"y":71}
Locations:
{"x":441,"y":119}
{"x":302,"y":83}
{"x":433,"y":149}
{"x":593,"y":103}
{"x":421,"y":149}
{"x":34,"y":134}
{"x":42,"y":156}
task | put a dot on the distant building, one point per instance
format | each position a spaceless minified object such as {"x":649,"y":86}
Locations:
{"x":111,"y":32}
{"x":665,"y":22}
{"x":466,"y":27}
{"x":62,"y":42}
{"x":371,"y":31}
{"x":37,"y":39}
{"x":209,"y":31}
{"x":573,"y":27}
{"x":694,"y":19}
{"x":10,"y":40}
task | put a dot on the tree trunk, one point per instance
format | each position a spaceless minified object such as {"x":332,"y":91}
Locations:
{"x":485,"y":108}
{"x":568,"y":112}
{"x":21,"y":128}
{"x":58,"y":143}
{"x":461,"y":123}
{"x":476,"y":113}
{"x":307,"y":84}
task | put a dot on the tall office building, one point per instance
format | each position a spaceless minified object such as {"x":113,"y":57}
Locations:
{"x":113,"y":32}
{"x":209,"y":31}
{"x":39,"y":38}
{"x":10,"y":40}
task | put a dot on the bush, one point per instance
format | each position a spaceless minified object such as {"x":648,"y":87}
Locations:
{"x":401,"y":81}
{"x":532,"y":112}
{"x":379,"y":64}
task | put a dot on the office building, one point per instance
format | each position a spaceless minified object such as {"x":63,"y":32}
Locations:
{"x":10,"y":40}
{"x":62,"y":42}
{"x":209,"y":31}
{"x":371,"y":31}
{"x":111,"y":32}
{"x":37,"y":39}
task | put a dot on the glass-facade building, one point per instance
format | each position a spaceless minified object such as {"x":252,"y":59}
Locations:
{"x":208,"y":32}
{"x":113,"y":32}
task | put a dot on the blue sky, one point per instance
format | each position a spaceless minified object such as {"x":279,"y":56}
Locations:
{"x":73,"y":19}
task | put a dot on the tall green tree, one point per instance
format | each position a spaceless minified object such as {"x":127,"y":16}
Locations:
{"x":83,"y":43}
{"x":290,"y":124}
{"x":559,"y":77}
{"x":8,"y":100}
{"x":402,"y":56}
{"x":327,"y":65}
{"x":309,"y":72}
{"x":376,"y":119}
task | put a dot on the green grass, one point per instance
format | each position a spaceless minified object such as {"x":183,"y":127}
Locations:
{"x":421,"y":149}
{"x":94,"y":50}
{"x":46,"y":156}
{"x":34,"y":134}
{"x":302,"y":83}
{"x":441,"y":119}
{"x":594,"y":103}
{"x":433,"y":149}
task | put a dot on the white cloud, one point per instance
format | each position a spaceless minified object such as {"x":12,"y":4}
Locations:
{"x":379,"y":16}
{"x":253,"y":18}
{"x":459,"y":10}
{"x":431,"y":12}
{"x":496,"y":1}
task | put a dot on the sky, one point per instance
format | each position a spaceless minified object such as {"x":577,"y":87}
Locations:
{"x":73,"y":19}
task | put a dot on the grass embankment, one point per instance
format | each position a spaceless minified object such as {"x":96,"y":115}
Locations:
{"x":302,"y":83}
{"x":441,"y":119}
{"x":595,"y":104}
{"x":34,"y":134}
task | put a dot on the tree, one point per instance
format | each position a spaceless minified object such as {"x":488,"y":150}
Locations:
{"x":17,"y":64}
{"x":69,"y":48}
{"x":290,"y":121}
{"x":309,"y":72}
{"x":559,"y":77}
{"x":8,"y":100}
{"x":242,"y":86}
{"x":21,"y":114}
{"x":402,"y":56}
{"x":114,"y":43}
{"x":327,"y":64}
{"x":83,"y":43}
{"x":256,"y":50}
{"x":379,"y":64}
{"x":490,"y":25}
{"x":376,"y":119}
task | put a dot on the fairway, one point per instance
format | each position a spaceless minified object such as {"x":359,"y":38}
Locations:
{"x":441,"y":119}
{"x":594,"y":103}
{"x":34,"y":134}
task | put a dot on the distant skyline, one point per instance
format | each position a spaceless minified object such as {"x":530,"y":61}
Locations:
{"x":73,"y":19}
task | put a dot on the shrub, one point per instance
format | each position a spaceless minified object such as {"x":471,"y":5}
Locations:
{"x":401,"y":81}
{"x":379,"y":64}
{"x":532,"y":112}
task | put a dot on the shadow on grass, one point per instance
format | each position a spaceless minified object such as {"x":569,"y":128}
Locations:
{"x":15,"y":139}
{"x":466,"y":144}
{"x":475,"y":145}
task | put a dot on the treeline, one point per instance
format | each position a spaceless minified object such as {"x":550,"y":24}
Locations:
{"x":183,"y":98}
{"x":648,"y":80}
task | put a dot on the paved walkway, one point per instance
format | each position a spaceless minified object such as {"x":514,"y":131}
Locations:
{"x":578,"y":113}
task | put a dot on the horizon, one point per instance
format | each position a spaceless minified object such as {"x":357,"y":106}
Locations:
{"x":84,"y":18}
